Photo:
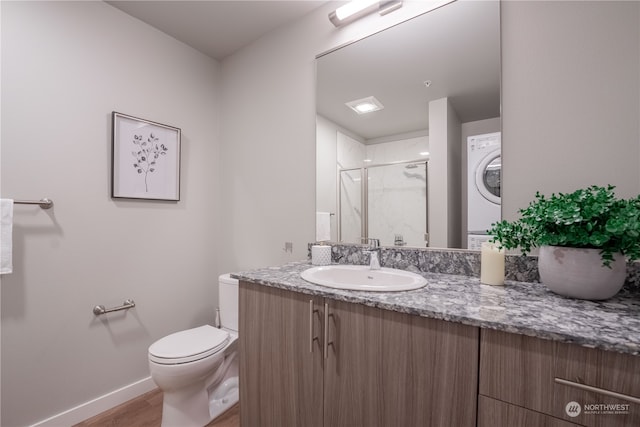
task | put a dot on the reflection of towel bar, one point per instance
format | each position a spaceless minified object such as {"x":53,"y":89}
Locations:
{"x":99,"y":309}
{"x":44,"y":203}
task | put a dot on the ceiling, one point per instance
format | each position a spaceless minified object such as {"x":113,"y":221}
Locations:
{"x":216,"y":28}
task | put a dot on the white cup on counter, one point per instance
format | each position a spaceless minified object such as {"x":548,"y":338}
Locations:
{"x":321,"y":255}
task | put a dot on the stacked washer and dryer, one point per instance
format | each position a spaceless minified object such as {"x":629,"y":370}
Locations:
{"x":484,"y":162}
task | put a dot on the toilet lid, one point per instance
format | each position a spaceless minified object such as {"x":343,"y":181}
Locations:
{"x":190,"y":345}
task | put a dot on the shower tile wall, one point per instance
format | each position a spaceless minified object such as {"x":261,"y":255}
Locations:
{"x":398,"y":203}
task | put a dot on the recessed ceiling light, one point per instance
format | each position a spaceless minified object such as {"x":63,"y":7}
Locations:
{"x":367,"y":160}
{"x":365,"y":105}
{"x":424,"y":153}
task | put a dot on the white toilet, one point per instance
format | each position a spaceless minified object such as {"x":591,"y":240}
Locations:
{"x":197,"y":369}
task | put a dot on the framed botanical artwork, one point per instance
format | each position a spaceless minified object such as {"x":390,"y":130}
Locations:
{"x":145,"y":159}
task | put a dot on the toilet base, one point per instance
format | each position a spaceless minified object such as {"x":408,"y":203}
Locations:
{"x":197,"y":407}
{"x":224,"y":397}
{"x":188,"y":408}
{"x":199,"y":404}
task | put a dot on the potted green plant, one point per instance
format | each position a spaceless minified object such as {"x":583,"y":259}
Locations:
{"x":584,"y":238}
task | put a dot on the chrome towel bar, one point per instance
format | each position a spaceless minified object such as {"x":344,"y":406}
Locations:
{"x":43,"y":203}
{"x":99,"y":309}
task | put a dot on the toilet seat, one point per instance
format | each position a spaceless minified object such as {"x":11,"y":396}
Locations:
{"x":189,"y":345}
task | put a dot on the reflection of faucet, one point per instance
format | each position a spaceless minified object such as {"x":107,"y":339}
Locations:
{"x":374,"y":253}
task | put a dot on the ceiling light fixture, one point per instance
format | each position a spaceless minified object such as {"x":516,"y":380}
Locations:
{"x":358,"y":8}
{"x":365,"y":105}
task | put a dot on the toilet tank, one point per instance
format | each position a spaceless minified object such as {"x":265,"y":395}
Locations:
{"x":228,"y":301}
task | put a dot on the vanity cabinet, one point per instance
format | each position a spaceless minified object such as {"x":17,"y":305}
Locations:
{"x":545,"y":376}
{"x":280,"y":382}
{"x":382,"y":368}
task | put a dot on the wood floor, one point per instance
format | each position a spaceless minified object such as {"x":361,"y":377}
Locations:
{"x":146,"y":411}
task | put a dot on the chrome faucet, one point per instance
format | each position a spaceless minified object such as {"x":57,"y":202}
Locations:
{"x":374,"y":253}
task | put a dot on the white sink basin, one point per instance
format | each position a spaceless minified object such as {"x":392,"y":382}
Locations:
{"x":362,"y":278}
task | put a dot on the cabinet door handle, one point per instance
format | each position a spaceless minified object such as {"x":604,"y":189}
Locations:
{"x":312,"y":338}
{"x":326,"y":330}
{"x":609,"y":393}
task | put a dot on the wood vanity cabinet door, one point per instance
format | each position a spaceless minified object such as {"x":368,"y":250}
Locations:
{"x":392,"y":369}
{"x":280,"y":379}
{"x":495,"y":413}
{"x":517,"y":369}
{"x":604,"y":370}
{"x":353,"y":379}
{"x":430,"y":372}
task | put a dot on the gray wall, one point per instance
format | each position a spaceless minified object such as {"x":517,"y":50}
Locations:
{"x":268,"y":134}
{"x":570,"y":103}
{"x":444,"y":175}
{"x":65,"y":67}
{"x":570,"y":98}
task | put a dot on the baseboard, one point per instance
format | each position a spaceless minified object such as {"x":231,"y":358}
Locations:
{"x":98,"y":405}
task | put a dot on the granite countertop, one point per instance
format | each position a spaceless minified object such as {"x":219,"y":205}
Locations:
{"x":518,"y":307}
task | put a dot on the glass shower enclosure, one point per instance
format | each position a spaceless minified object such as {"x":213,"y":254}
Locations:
{"x":384,"y":201}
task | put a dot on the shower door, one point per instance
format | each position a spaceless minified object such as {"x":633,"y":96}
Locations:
{"x":386,"y":202}
{"x":397,"y":203}
{"x":350,"y":224}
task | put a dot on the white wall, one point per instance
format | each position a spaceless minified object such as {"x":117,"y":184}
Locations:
{"x":561,"y":93}
{"x":454,"y":186}
{"x":268,"y":119}
{"x":570,"y":99}
{"x":65,"y":67}
{"x":0,"y":195}
{"x":444,"y":175}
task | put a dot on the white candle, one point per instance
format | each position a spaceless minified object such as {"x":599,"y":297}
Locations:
{"x":491,"y":264}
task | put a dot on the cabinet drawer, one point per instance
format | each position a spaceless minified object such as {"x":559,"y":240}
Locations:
{"x":546,"y":376}
{"x":494,"y":413}
{"x":603,"y":369}
{"x":611,"y":378}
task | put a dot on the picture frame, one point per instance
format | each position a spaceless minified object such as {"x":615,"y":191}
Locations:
{"x":145,"y":159}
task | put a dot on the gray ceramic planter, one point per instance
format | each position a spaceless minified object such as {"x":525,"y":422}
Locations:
{"x":579,"y":273}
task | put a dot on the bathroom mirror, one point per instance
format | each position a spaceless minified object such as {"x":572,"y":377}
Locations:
{"x":450,"y":54}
